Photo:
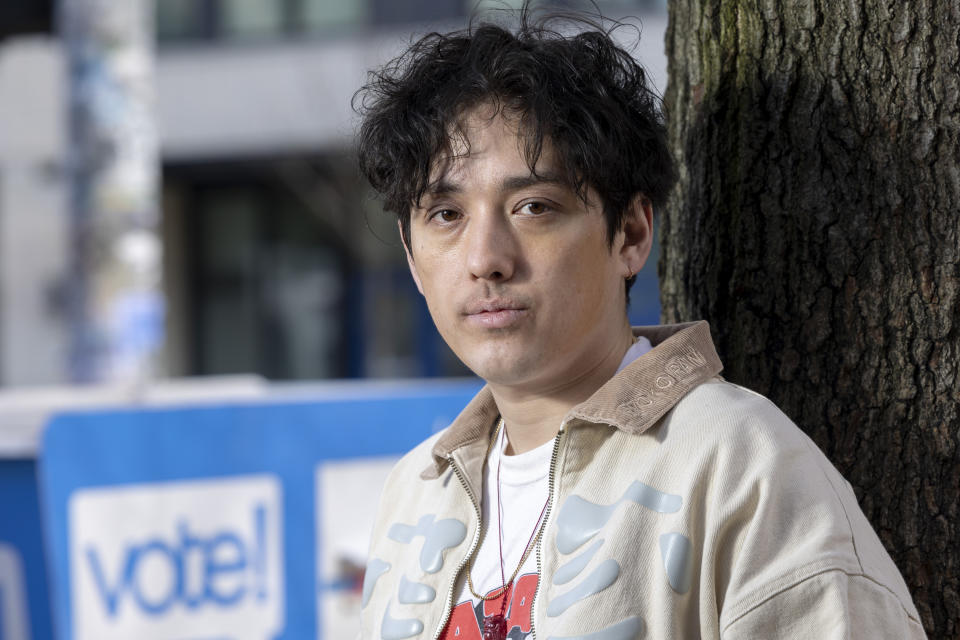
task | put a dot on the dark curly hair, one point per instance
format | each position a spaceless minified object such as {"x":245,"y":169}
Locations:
{"x":581,"y":91}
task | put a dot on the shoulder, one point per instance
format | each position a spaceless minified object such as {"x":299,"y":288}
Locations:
{"x":718,"y":435}
{"x":740,"y":452}
{"x":721,"y":415}
{"x":723,"y":402}
{"x":779,"y":511}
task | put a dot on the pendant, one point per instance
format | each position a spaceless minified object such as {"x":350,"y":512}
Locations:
{"x":495,"y":628}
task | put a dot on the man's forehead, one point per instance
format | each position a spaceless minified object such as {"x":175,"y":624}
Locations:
{"x":480,"y":132}
{"x":475,"y":133}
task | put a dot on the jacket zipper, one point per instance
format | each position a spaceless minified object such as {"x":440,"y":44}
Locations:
{"x":448,"y":604}
{"x":546,"y":518}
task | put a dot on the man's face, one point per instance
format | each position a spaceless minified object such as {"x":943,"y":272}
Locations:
{"x":516,"y":270}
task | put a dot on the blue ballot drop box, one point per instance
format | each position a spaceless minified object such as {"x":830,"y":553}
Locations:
{"x":246,"y":521}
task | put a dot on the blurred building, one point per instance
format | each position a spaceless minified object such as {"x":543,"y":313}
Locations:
{"x":277,"y":257}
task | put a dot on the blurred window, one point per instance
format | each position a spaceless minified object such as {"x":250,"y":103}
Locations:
{"x":251,"y":20}
{"x":413,"y":11}
{"x":18,"y":17}
{"x":321,"y":15}
{"x":180,"y":19}
{"x":228,"y":335}
{"x":268,"y":282}
{"x":609,"y":8}
{"x":244,"y":19}
{"x":482,"y":6}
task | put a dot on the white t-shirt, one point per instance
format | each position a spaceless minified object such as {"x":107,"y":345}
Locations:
{"x":524,"y":481}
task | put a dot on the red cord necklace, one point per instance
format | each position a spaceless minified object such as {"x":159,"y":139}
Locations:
{"x":495,"y":626}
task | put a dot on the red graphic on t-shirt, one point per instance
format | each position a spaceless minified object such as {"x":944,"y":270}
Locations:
{"x":466,"y":621}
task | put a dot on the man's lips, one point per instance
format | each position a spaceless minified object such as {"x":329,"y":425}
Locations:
{"x":495,"y":313}
{"x":492,"y":306}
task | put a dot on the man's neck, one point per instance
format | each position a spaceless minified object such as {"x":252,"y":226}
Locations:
{"x":533,"y":417}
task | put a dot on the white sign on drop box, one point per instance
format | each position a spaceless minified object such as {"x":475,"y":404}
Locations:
{"x":198,"y":559}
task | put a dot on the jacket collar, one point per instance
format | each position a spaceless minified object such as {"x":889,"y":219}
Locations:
{"x":682,"y":357}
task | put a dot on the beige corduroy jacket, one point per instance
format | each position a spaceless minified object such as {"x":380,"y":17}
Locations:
{"x":682,"y":506}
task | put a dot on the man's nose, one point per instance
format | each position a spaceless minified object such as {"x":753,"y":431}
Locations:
{"x":491,"y":247}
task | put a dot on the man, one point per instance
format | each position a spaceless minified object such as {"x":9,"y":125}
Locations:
{"x":606,"y":483}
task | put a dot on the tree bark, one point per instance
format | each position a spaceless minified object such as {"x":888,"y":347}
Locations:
{"x":815,"y":224}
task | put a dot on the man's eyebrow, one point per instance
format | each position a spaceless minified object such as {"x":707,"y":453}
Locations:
{"x":514,"y":183}
{"x":443,"y":186}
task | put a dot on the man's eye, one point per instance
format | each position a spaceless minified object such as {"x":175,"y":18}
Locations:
{"x":534,"y":208}
{"x":446,"y":215}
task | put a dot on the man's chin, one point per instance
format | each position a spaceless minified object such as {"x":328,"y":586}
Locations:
{"x":500,"y":371}
{"x":500,"y":357}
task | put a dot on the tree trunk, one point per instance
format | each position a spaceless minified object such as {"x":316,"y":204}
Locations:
{"x":815,"y":224}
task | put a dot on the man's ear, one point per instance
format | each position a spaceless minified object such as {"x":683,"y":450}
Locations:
{"x":410,"y":262}
{"x":637,"y":234}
